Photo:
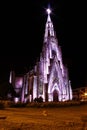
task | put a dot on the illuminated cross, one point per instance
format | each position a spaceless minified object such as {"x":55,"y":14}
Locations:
{"x":48,"y":11}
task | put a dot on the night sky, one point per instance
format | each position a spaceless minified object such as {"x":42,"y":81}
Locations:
{"x":22,"y":31}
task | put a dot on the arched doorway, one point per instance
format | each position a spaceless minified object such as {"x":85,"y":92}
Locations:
{"x":55,"y":96}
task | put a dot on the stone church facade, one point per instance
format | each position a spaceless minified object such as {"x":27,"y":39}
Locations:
{"x":49,"y":77}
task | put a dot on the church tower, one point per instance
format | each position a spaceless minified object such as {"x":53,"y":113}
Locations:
{"x":54,"y":84}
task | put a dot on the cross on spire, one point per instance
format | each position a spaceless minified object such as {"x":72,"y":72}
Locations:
{"x":49,"y":29}
{"x":48,"y":11}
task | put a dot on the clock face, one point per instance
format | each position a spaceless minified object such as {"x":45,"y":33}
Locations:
{"x":53,"y":40}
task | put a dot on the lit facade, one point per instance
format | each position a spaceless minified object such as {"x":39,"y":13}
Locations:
{"x":49,"y":77}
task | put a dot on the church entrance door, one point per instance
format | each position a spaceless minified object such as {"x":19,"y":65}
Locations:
{"x":55,"y":95}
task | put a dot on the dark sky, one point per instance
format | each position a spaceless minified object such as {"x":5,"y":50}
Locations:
{"x":22,"y":30}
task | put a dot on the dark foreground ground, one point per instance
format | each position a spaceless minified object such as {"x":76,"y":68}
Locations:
{"x":64,"y":118}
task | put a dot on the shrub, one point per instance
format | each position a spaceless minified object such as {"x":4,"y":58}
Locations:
{"x":17,"y":105}
{"x":40,"y":99}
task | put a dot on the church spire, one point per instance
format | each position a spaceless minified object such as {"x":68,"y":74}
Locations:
{"x":49,"y":29}
{"x":48,"y":12}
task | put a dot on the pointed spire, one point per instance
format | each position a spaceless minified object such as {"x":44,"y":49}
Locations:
{"x":49,"y":30}
{"x":48,"y":12}
{"x":48,"y":18}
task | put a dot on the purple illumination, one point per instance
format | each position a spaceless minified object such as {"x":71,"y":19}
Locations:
{"x":49,"y":78}
{"x":16,"y":99}
{"x":18,"y":82}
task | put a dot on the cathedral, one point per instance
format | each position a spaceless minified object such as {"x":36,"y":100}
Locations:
{"x":49,"y":77}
